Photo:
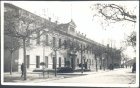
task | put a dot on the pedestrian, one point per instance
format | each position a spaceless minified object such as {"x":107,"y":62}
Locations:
{"x":22,"y":69}
{"x":134,"y":68}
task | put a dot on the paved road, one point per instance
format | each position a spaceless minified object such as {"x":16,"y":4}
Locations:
{"x":117,"y":76}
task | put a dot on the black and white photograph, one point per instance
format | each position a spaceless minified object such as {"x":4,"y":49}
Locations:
{"x":70,"y":43}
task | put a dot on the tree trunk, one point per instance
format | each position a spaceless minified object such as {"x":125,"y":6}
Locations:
{"x":11,"y":64}
{"x":107,"y":61}
{"x":101,"y":63}
{"x":24,"y":56}
{"x":44,"y":61}
{"x":96,"y":63}
{"x":81,"y":60}
{"x":55,"y":62}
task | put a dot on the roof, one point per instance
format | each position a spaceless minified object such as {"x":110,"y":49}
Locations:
{"x":61,"y":28}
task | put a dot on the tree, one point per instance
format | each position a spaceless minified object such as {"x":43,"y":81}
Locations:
{"x":23,"y":25}
{"x":131,"y":40}
{"x":113,"y":13}
{"x":55,"y":44}
{"x":98,"y":51}
{"x":12,"y":45}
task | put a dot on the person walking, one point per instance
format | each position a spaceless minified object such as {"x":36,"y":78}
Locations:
{"x":22,"y":69}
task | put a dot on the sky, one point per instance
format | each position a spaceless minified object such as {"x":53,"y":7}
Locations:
{"x":82,"y":15}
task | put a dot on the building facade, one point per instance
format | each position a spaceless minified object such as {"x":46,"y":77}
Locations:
{"x":55,"y":44}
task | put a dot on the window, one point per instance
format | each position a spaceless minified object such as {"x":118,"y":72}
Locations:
{"x":84,"y":49}
{"x":90,"y":51}
{"x":65,"y":44}
{"x":92,"y":61}
{"x":84,"y":61}
{"x":59,"y":43}
{"x":38,"y":38}
{"x":28,"y":60}
{"x":37,"y":61}
{"x":47,"y":39}
{"x":77,"y":61}
{"x":72,"y":29}
{"x":54,"y":62}
{"x":64,"y":61}
{"x":46,"y":61}
{"x":54,"y":41}
{"x":59,"y":61}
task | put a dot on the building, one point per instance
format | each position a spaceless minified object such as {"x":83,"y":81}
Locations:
{"x":55,"y":44}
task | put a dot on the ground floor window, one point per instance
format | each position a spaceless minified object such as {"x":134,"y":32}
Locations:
{"x":28,"y":60}
{"x":64,"y":61}
{"x":77,"y":61}
{"x":54,"y":64}
{"x":46,"y":61}
{"x":37,"y":61}
{"x":59,"y":61}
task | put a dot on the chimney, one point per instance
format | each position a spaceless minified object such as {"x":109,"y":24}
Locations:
{"x":49,"y":19}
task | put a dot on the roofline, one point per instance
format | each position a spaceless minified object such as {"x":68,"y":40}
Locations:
{"x":64,"y":33}
{"x":14,"y":6}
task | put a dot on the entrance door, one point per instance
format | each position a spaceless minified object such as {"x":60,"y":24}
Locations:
{"x":73,"y":63}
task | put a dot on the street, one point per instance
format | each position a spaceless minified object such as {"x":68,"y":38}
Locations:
{"x":116,"y":76}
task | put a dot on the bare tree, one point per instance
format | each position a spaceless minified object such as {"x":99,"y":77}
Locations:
{"x":131,"y":40}
{"x":113,"y":13}
{"x":98,"y":51}
{"x":12,"y":45}
{"x":23,"y":25}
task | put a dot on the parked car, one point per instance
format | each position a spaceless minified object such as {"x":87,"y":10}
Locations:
{"x":64,"y":70}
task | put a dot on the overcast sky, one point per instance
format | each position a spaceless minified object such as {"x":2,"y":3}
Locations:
{"x":82,"y":15}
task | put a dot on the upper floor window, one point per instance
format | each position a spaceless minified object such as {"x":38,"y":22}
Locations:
{"x":38,"y":38}
{"x":71,"y":29}
{"x":65,"y":44}
{"x":59,"y":43}
{"x":47,"y":39}
{"x":54,"y":41}
{"x":84,"y":48}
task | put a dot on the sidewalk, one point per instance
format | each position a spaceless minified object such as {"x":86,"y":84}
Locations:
{"x":31,"y":77}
